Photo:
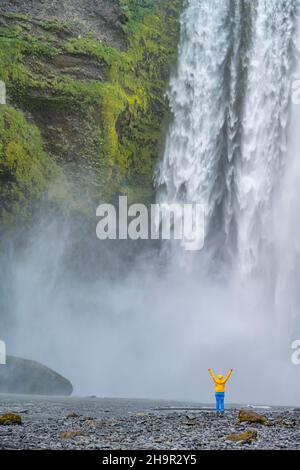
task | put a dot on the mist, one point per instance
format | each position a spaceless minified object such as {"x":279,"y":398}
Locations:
{"x":142,"y":320}
{"x":148,"y":328}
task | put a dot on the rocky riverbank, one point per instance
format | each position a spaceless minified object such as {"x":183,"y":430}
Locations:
{"x":131,"y":425}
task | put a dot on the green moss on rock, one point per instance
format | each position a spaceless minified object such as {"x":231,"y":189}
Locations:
{"x":25,"y":168}
{"x":99,"y":109}
{"x":8,"y":419}
{"x":250,"y":416}
{"x":246,"y":437}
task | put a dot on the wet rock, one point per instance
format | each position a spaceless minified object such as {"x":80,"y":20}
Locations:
{"x":286,"y":423}
{"x":156,"y":430}
{"x":190,"y":420}
{"x":250,"y":416}
{"x":23,"y":376}
{"x":10,"y":418}
{"x":72,"y":415}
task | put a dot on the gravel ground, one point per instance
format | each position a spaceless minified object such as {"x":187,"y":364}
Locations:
{"x":138,"y":424}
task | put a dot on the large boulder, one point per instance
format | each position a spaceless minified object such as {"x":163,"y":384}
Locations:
{"x":250,"y":416}
{"x":10,"y":418}
{"x":22,"y":376}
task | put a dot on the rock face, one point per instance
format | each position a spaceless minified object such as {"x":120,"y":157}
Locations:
{"x":101,"y":17}
{"x":85,"y":85}
{"x":22,"y":376}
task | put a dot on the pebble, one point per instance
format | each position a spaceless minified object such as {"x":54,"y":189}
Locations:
{"x":95,"y":428}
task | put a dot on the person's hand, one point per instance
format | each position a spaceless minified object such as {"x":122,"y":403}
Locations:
{"x":209,"y":370}
{"x":231,"y":370}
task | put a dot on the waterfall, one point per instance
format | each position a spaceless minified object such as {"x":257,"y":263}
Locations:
{"x":143,"y":326}
{"x":226,"y":146}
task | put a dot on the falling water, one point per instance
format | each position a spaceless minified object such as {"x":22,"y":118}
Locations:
{"x":151,"y":331}
{"x":227,"y":145}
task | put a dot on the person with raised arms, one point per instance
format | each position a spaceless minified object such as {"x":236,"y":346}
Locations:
{"x":220,"y":383}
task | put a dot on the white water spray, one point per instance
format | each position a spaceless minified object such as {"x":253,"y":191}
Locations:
{"x":227,"y":144}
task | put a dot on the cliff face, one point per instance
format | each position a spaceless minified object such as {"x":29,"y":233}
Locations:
{"x":103,"y":18}
{"x":85,"y":83}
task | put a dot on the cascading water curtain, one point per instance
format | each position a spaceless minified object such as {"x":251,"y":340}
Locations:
{"x":226,"y":147}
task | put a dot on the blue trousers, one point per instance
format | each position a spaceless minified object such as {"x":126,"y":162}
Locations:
{"x":220,"y":396}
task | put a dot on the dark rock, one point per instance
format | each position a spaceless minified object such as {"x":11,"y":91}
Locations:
{"x":23,"y":376}
{"x":190,"y":420}
{"x":72,"y":415}
{"x":286,"y":423}
{"x":122,"y":430}
{"x":103,"y":18}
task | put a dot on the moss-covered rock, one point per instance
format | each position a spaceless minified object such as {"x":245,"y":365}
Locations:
{"x":25,"y":168}
{"x":245,"y":437}
{"x":97,"y":97}
{"x":250,"y":416}
{"x":8,"y":419}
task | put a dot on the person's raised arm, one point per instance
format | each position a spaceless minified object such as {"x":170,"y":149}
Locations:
{"x":212,"y":375}
{"x":228,"y":375}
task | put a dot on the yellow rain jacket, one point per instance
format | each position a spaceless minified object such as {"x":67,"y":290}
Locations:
{"x":220,"y":381}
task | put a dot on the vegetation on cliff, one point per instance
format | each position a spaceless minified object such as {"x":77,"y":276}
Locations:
{"x":25,"y":168}
{"x":99,"y":109}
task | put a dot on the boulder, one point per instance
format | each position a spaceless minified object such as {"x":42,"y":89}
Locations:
{"x":23,"y":376}
{"x":10,"y":418}
{"x":250,"y":416}
{"x":244,"y":437}
{"x":72,"y":415}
